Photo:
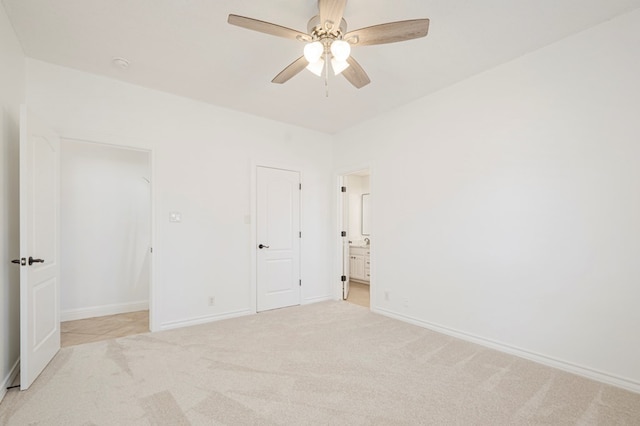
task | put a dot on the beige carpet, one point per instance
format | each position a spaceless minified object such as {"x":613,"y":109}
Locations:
{"x":329,"y":363}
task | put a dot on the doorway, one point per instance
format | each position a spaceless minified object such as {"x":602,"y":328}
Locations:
{"x":105,"y":213}
{"x":355,"y":220}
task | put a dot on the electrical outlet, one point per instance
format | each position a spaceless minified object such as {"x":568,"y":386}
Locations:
{"x":405,"y":302}
{"x":212,"y":301}
{"x":386,"y":296}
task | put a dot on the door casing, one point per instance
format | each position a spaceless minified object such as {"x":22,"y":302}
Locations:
{"x":149,"y":154}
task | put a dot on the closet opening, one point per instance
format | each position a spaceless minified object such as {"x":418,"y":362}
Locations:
{"x":105,"y":244}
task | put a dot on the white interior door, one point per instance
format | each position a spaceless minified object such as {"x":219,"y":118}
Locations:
{"x":278,"y":238}
{"x":345,"y":241}
{"x":39,"y":247}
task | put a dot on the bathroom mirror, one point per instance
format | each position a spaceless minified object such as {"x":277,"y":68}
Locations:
{"x":366,"y":214}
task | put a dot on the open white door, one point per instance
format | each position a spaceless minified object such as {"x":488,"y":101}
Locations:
{"x":39,"y":247}
{"x":345,"y":240}
{"x":278,"y":238}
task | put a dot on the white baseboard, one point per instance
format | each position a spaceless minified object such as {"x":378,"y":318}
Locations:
{"x":8,"y":380}
{"x":228,"y":315}
{"x":310,"y":300}
{"x":100,"y":311}
{"x":204,"y":319}
{"x":590,"y":373}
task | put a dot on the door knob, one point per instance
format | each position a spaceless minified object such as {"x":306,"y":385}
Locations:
{"x":22,"y":261}
{"x":32,"y":260}
{"x":261,"y":246}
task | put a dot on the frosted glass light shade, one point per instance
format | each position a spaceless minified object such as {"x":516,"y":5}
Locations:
{"x":340,"y":50}
{"x":338,"y":66}
{"x":316,"y":67}
{"x":313,"y":51}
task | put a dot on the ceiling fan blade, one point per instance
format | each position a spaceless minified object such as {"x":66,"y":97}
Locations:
{"x":331,"y":11}
{"x":290,"y":71}
{"x":355,"y":74}
{"x":390,"y":32}
{"x":267,"y":28}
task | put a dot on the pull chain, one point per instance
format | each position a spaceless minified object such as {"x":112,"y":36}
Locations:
{"x":326,"y":73}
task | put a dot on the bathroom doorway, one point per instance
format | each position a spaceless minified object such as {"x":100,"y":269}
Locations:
{"x":356,"y":244}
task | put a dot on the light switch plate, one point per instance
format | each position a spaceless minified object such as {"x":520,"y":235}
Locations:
{"x":175,"y":217}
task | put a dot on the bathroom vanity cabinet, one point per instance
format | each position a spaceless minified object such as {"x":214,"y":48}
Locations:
{"x":359,"y":263}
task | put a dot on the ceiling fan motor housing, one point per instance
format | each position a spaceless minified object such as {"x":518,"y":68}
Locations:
{"x":318,"y":31}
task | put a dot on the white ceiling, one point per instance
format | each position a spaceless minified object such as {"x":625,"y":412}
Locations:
{"x":187,"y":48}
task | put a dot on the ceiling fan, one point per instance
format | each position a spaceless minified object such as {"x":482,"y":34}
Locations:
{"x":327,"y":41}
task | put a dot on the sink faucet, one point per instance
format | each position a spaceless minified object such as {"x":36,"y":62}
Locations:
{"x":367,"y":241}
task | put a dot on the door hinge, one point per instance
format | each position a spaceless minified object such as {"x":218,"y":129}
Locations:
{"x":300,"y":283}
{"x":343,"y":233}
{"x":150,"y":249}
{"x":343,"y":278}
{"x":300,"y":186}
{"x":300,"y":234}
{"x":343,"y":189}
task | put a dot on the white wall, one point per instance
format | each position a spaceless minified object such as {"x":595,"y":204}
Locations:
{"x":105,"y":212}
{"x":202,"y":163}
{"x":507,"y":207}
{"x":12,"y":83}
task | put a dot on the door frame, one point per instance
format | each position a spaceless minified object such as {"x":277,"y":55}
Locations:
{"x":339,"y":175}
{"x":253,"y":222}
{"x":154,"y":321}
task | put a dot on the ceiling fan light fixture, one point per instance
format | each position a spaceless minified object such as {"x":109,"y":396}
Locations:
{"x":313,"y":51}
{"x":316,"y":67}
{"x":338,"y":66}
{"x":340,"y":50}
{"x":327,"y":35}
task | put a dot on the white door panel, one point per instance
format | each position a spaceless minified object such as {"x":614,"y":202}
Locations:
{"x":280,"y":275}
{"x":280,"y":217}
{"x":345,"y":242}
{"x":39,"y":247}
{"x":278,"y":226}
